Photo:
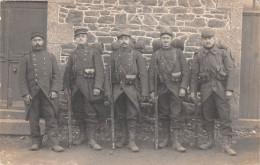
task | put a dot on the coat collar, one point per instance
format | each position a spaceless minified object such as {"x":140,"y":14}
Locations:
{"x":213,"y":50}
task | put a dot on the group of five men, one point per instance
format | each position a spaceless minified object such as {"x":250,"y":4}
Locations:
{"x":131,"y":82}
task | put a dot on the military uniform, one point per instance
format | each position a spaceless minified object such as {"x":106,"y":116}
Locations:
{"x":84,"y":72}
{"x":38,"y":76}
{"x":173,"y":74}
{"x":215,"y":71}
{"x":130,"y":83}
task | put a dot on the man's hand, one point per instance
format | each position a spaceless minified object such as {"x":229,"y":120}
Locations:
{"x":182,"y":92}
{"x":96,"y":91}
{"x":228,"y":94}
{"x":27,"y":98}
{"x":53,"y":95}
{"x":152,"y":95}
{"x":193,"y":97}
{"x":107,"y":100}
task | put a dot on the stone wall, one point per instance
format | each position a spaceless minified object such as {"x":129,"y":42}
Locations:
{"x":144,"y":18}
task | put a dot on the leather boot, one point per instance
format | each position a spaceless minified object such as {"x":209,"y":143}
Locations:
{"x":91,"y":140}
{"x":176,"y":144}
{"x":227,"y":141}
{"x":35,"y":147}
{"x":57,"y":148}
{"x":210,"y":143}
{"x":166,"y":132}
{"x":82,"y":135}
{"x":124,"y":139}
{"x":132,"y":145}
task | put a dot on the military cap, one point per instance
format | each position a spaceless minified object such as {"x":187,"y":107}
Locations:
{"x":80,"y":31}
{"x":36,"y":34}
{"x":207,"y":33}
{"x":124,"y":33}
{"x":166,"y":31}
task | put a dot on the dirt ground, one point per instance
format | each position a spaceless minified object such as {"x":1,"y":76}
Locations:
{"x":14,"y":151}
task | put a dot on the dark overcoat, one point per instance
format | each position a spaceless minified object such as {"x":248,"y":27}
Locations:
{"x":86,"y":57}
{"x":169,"y":61}
{"x":213,"y":61}
{"x":128,"y":62}
{"x":39,"y":70}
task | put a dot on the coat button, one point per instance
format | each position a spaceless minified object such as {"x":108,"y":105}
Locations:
{"x":36,"y":74}
{"x":44,"y":63}
{"x":34,"y":64}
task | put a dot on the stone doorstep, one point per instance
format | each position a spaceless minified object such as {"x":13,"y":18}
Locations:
{"x":12,"y":114}
{"x":246,"y":123}
{"x":17,"y":127}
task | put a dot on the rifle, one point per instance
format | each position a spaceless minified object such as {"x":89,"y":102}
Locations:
{"x":111,"y":99}
{"x":156,"y":134}
{"x":68,"y":93}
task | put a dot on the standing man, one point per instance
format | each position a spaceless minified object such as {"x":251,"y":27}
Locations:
{"x":173,"y":80}
{"x":130,"y":84}
{"x":39,"y":86}
{"x":84,"y":76}
{"x":215,"y":70}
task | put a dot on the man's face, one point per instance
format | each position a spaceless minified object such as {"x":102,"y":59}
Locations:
{"x":166,"y":40}
{"x":208,"y":42}
{"x":124,"y":41}
{"x":37,"y":43}
{"x":81,"y":39}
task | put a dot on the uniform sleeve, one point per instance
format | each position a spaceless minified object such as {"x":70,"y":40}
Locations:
{"x":22,"y":77}
{"x":151,"y":72}
{"x":143,"y":73}
{"x":55,"y":75}
{"x":229,"y":67}
{"x":185,"y":70}
{"x":194,"y":73}
{"x":99,"y":68}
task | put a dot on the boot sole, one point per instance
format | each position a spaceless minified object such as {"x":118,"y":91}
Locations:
{"x":228,"y":153}
{"x":96,"y":149}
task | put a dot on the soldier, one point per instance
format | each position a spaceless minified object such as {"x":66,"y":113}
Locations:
{"x":215,"y":69}
{"x":84,"y":76}
{"x":39,"y":86}
{"x":130,"y":84}
{"x":173,"y":80}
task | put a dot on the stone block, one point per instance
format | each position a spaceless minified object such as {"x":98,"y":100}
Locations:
{"x":183,"y":3}
{"x":63,"y":10}
{"x":147,"y":41}
{"x":194,"y":40}
{"x":104,"y":12}
{"x":102,"y":34}
{"x":128,"y":2}
{"x":70,"y":6}
{"x":149,"y":20}
{"x":185,"y":17}
{"x":53,"y":12}
{"x":188,"y":29}
{"x":135,"y":20}
{"x":62,"y":15}
{"x":170,"y":3}
{"x":97,"y":7}
{"x":178,"y":10}
{"x":84,"y":1}
{"x":120,"y":19}
{"x":198,"y":10}
{"x":197,"y":22}
{"x":91,"y":13}
{"x":91,"y":38}
{"x":137,"y":33}
{"x":149,"y":2}
{"x":74,"y":16}
{"x":216,"y":23}
{"x":195,"y":3}
{"x":208,"y":3}
{"x":153,"y":35}
{"x":179,"y":23}
{"x":130,"y":9}
{"x":92,"y":27}
{"x":168,"y":20}
{"x":90,"y":20}
{"x":97,"y":1}
{"x":105,"y":39}
{"x":147,"y":28}
{"x":55,"y":49}
{"x":191,"y":49}
{"x":230,"y":4}
{"x":160,"y":10}
{"x":236,"y":18}
{"x":147,"y":9}
{"x":134,"y":27}
{"x":106,"y":20}
{"x":59,"y":33}
{"x":110,"y":1}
